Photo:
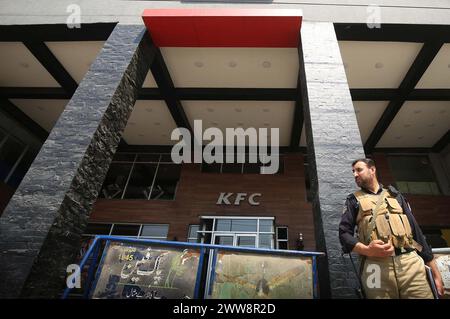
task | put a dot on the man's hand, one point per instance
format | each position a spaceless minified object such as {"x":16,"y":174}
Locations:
{"x":437,"y":277}
{"x":376,"y":248}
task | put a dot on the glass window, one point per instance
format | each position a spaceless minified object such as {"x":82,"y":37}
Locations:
{"x":224,"y":240}
{"x":155,"y":231}
{"x":126,"y":230}
{"x":21,"y":169}
{"x":246,"y":241}
{"x":252,"y":168}
{"x":282,"y":233}
{"x":9,"y":154}
{"x":115,"y":180}
{"x":211,"y":168}
{"x":193,"y":234}
{"x":266,"y":225}
{"x":265,"y":241}
{"x":154,"y":158}
{"x":124,"y":157}
{"x":232,"y":168}
{"x":414,"y":175}
{"x":166,"y":158}
{"x":140,"y":181}
{"x":98,"y":229}
{"x":223,"y":225}
{"x":282,"y":237}
{"x":166,"y":181}
{"x":245,"y":225}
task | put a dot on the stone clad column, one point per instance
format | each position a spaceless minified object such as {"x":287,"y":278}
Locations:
{"x":40,"y":229}
{"x":333,"y":141}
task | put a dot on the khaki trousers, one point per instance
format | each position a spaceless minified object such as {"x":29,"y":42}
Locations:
{"x":399,"y":277}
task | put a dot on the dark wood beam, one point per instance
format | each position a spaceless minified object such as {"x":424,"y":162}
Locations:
{"x":442,"y":143}
{"x":53,"y":66}
{"x":168,"y":149}
{"x":401,"y":150}
{"x":166,"y":87}
{"x":236,"y":94}
{"x":56,"y":32}
{"x":392,"y":32}
{"x":23,"y":119}
{"x":373,"y":94}
{"x":417,"y":69}
{"x":232,"y":94}
{"x":429,"y":95}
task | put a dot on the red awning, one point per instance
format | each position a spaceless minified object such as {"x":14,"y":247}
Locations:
{"x":279,"y":28}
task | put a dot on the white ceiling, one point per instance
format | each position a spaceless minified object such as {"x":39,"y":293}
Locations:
{"x":245,"y":114}
{"x":368,"y":113}
{"x":437,"y":76}
{"x":418,"y":124}
{"x":43,"y":112}
{"x":150,"y":123}
{"x":232,"y":67}
{"x":377,"y":64}
{"x":19,"y":67}
{"x":76,"y":57}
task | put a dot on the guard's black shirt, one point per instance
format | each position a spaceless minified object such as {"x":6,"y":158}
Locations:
{"x":348,"y":223}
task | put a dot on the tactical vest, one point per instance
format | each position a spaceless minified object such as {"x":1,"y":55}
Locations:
{"x":391,"y":224}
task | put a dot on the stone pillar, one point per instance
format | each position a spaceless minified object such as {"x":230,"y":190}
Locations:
{"x":40,"y":229}
{"x":333,"y":142}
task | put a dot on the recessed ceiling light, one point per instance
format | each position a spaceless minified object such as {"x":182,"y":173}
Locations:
{"x":232,"y":64}
{"x":210,"y":109}
{"x":24,"y":65}
{"x":379,"y":65}
{"x":157,"y":123}
{"x":266,"y":64}
{"x":417,"y":111}
{"x":148,"y":109}
{"x":198,"y":64}
{"x":238,"y":110}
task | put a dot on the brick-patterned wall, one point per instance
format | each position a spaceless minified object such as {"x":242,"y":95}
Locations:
{"x":429,"y":210}
{"x":283,"y":197}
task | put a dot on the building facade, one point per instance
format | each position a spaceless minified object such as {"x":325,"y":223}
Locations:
{"x":92,"y":91}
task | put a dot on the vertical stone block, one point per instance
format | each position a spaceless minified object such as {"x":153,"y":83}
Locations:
{"x":333,"y":141}
{"x":41,"y":227}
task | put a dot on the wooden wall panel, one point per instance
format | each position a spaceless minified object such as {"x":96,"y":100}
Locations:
{"x":429,"y":210}
{"x":283,"y":197}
